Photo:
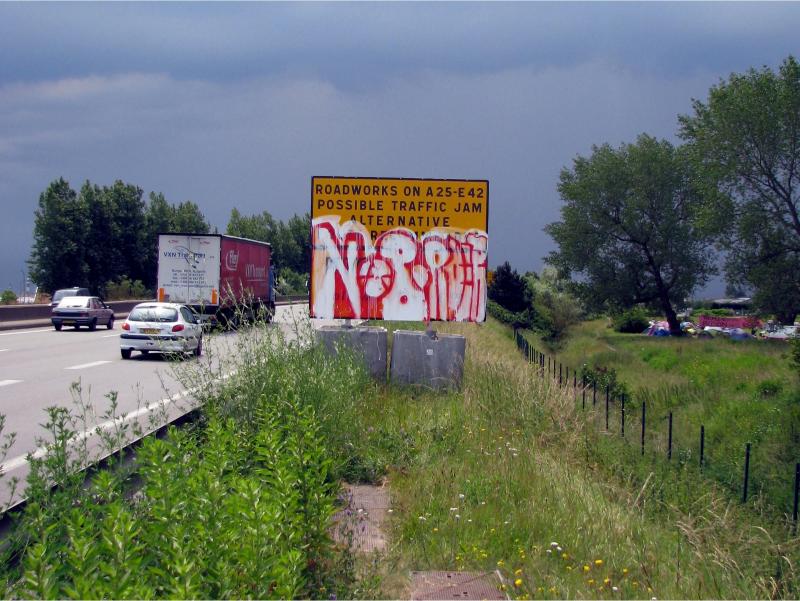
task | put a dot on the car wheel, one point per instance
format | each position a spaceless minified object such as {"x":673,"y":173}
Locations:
{"x":199,"y":350}
{"x":93,"y":325}
{"x":57,"y":326}
{"x":145,"y":353}
{"x":77,"y":327}
{"x":125,"y":352}
{"x":110,"y":324}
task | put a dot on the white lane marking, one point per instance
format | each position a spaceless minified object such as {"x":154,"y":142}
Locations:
{"x":3,"y":350}
{"x":27,"y":332}
{"x":110,"y":336}
{"x":9,"y":382}
{"x":21,"y":460}
{"x":85,"y":365}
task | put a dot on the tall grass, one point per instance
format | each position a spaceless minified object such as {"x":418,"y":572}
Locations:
{"x":506,"y":475}
{"x":237,"y":504}
{"x":740,"y":391}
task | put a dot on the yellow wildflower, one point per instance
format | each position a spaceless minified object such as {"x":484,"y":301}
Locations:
{"x":501,"y":563}
{"x":606,"y":580}
{"x":590,"y":581}
{"x":436,"y":530}
{"x":518,"y":572}
{"x":624,"y":570}
{"x":565,"y":556}
{"x":598,"y":562}
{"x":586,"y":568}
{"x":518,"y":582}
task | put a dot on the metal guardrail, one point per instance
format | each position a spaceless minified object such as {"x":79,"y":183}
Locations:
{"x":31,"y":312}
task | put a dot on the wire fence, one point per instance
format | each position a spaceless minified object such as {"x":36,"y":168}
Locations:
{"x":619,"y":415}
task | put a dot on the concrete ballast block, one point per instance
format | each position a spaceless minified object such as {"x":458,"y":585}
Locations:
{"x":419,"y":359}
{"x":369,"y":342}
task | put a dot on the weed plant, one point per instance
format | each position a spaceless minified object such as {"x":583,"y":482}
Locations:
{"x":236,"y":504}
{"x":739,"y":391}
{"x":508,"y":475}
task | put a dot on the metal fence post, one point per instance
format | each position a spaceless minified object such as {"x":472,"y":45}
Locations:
{"x":583,"y":393}
{"x":606,"y":407}
{"x":644,"y":408}
{"x":702,"y":444}
{"x":796,"y":491}
{"x":622,"y":419}
{"x":594,"y":393}
{"x":669,"y":446}
{"x":746,"y":472}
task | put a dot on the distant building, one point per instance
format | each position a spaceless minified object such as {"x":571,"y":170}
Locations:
{"x":739,"y":305}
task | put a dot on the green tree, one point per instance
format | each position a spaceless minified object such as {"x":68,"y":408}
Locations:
{"x":745,"y":141}
{"x":255,"y":227}
{"x":300,"y":233}
{"x":58,"y":258}
{"x":553,"y":308}
{"x":291,"y":244}
{"x":188,"y":219}
{"x":129,"y":249}
{"x":101,"y":237}
{"x":159,"y":217}
{"x":8,"y":297}
{"x":508,"y":289}
{"x":627,"y":228}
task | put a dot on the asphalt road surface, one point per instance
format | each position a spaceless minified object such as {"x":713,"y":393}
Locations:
{"x":40,"y":368}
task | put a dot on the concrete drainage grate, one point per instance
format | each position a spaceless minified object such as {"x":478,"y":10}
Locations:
{"x":360,"y":523}
{"x":456,"y":585}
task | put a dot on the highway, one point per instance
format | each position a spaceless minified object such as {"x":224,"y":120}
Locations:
{"x":40,"y":368}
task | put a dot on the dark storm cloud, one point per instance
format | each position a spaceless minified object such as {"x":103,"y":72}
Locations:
{"x":357,"y":43}
{"x":240,"y":104}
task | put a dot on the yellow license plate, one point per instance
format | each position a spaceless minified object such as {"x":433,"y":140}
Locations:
{"x":150,"y":331}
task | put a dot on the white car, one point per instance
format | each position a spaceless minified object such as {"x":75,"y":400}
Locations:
{"x":161,"y":328}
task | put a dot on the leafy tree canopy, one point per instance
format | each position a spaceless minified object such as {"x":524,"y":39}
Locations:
{"x":745,"y":143}
{"x":103,"y":234}
{"x":627,"y":227}
{"x":508,"y":289}
{"x":291,"y":242}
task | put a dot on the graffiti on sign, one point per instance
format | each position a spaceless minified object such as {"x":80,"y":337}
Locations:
{"x":399,"y":249}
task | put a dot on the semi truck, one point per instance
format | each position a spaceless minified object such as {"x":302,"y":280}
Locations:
{"x":227,"y":278}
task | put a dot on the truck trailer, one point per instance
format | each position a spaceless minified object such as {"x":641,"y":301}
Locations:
{"x":228,"y":278}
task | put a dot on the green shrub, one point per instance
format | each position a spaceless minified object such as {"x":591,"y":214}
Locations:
{"x":769,"y":388}
{"x":237,"y":504}
{"x":291,"y":282}
{"x":8,"y":297}
{"x":632,"y":321}
{"x":603,"y":377}
{"x":714,"y":312}
{"x":522,"y":319}
{"x":125,"y":289}
{"x":508,"y":289}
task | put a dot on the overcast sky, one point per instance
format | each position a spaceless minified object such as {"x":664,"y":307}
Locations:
{"x":239,"y":105}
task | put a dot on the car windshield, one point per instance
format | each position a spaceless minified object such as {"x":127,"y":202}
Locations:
{"x":62,"y":293}
{"x":162,"y":314}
